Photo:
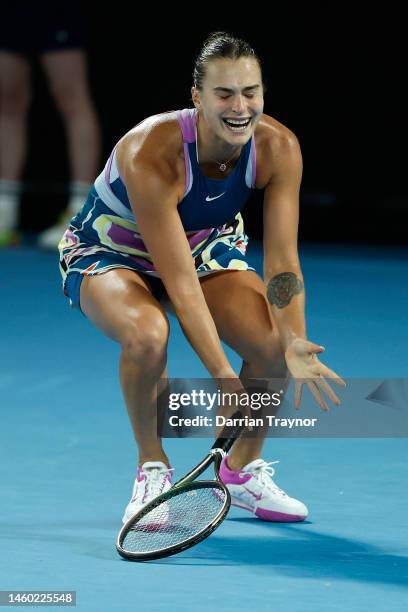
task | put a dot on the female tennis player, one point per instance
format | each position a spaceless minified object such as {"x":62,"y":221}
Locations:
{"x":164,"y":217}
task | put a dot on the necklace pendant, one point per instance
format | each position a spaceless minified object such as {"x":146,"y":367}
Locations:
{"x":223,"y":167}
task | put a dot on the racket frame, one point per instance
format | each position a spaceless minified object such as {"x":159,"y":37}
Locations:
{"x":189,"y":481}
{"x":219,"y":449}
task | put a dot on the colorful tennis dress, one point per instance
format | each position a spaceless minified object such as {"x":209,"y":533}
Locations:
{"x":105,"y":235}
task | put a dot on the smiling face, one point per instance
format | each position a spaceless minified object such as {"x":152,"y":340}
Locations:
{"x":230,"y":101}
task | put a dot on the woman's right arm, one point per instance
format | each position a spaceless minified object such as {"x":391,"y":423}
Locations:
{"x":153,"y":193}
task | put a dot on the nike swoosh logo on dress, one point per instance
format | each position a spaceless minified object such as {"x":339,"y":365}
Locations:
{"x":208,"y":199}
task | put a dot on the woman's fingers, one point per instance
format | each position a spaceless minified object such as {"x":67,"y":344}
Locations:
{"x":314,"y":390}
{"x":317,"y":395}
{"x":323,"y":384}
{"x":328,"y":373}
{"x":316,"y":380}
{"x":315,"y":348}
{"x":298,"y":393}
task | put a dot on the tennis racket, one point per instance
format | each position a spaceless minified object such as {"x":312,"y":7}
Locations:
{"x":184,"y":515}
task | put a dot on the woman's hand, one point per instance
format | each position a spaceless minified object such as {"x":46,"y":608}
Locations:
{"x":305,"y":367}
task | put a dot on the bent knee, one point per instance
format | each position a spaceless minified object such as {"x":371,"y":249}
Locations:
{"x":69,"y":100}
{"x":144,"y":340}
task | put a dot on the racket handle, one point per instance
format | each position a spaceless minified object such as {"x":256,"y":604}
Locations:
{"x":228,"y":435}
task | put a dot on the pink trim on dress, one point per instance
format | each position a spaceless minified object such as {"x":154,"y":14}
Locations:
{"x":186,"y":119}
{"x":187,"y":165}
{"x":253,"y":160}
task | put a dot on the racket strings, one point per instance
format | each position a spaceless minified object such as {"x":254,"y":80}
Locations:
{"x":175,"y":520}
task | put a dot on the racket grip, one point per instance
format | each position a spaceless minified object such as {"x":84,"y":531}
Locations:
{"x":228,"y":435}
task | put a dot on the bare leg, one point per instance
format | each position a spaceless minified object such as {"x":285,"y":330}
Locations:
{"x":66,"y":72}
{"x":14,"y":103}
{"x":244,"y":321}
{"x":139,"y":389}
{"x":120,"y":304}
{"x":247,"y":449}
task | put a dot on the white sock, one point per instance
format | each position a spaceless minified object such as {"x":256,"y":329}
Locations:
{"x":78,"y":192}
{"x":9,"y":204}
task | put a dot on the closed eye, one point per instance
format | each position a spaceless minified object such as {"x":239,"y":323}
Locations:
{"x":247,"y":95}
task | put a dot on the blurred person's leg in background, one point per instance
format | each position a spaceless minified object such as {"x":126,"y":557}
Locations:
{"x":15,"y":94}
{"x":56,"y":34}
{"x":66,"y":74}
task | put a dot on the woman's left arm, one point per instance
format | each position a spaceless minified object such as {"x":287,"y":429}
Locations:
{"x":282,"y":272}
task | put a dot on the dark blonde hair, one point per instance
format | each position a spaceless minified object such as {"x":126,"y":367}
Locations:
{"x":219,"y":45}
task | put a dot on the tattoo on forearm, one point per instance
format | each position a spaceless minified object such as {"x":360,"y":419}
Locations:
{"x":282,"y":287}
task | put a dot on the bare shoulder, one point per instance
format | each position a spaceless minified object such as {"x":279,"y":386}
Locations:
{"x":155,"y":144}
{"x":276,"y":147}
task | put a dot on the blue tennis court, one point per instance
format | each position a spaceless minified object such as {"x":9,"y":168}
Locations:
{"x":68,"y":457}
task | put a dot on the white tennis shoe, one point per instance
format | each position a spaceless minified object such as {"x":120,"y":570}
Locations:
{"x":153,"y":479}
{"x":253,"y":489}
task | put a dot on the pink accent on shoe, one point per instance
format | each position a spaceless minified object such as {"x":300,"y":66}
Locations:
{"x":169,"y":476}
{"x":243,"y":506}
{"x":254,"y":495}
{"x":141,"y":476}
{"x":278,"y":517}
{"x":229,"y":476}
